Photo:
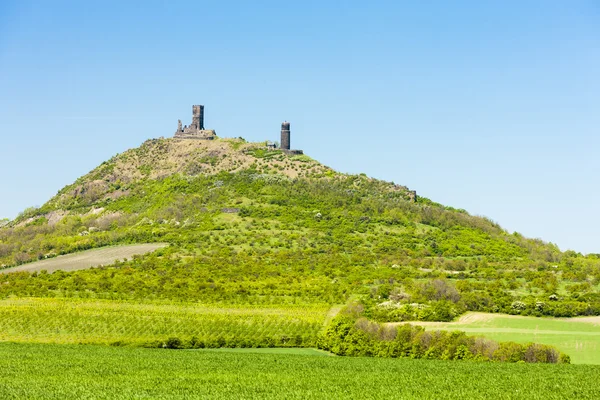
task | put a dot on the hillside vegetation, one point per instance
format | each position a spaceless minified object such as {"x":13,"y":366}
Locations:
{"x":250,"y":226}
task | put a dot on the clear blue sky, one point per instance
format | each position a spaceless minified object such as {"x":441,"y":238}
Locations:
{"x":490,"y":106}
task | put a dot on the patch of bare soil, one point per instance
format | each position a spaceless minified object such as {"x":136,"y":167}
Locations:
{"x":590,"y":320}
{"x":467,"y":318}
{"x":54,"y":217}
{"x":87,"y":259}
{"x":471,"y":317}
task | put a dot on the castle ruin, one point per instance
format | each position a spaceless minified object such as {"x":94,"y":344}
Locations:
{"x":285,"y":140}
{"x":196,"y":129}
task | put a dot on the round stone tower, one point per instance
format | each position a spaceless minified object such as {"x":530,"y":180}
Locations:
{"x":285,"y":135}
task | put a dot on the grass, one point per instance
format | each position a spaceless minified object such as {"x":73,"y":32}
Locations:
{"x":578,"y":337}
{"x":274,"y":350}
{"x":97,"y":372}
{"x":125,"y":323}
{"x":88,"y":259}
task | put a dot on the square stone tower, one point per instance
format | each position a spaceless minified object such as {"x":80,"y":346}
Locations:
{"x":196,"y":129}
{"x":197,"y":117}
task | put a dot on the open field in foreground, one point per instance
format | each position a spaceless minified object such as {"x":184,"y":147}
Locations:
{"x":88,"y":259}
{"x":62,"y":320}
{"x":44,"y":371}
{"x":578,"y":337}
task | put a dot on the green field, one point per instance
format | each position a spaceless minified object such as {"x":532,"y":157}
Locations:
{"x":126,"y":323}
{"x":44,"y":371}
{"x":578,"y":337}
{"x":274,"y":350}
{"x":88,"y":259}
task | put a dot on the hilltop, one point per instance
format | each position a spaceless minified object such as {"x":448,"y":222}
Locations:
{"x":158,"y":159}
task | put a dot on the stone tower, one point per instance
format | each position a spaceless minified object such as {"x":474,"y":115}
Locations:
{"x":285,"y":135}
{"x":196,"y":129}
{"x":198,"y":117}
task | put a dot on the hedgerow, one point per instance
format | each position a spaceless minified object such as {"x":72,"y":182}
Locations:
{"x":348,"y":335}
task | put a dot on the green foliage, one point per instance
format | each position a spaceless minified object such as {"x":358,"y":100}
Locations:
{"x":29,"y":212}
{"x":159,"y":324}
{"x":302,"y":158}
{"x":264,"y":153}
{"x":433,"y":311}
{"x":65,"y":372}
{"x":275,"y":233}
{"x":348,"y":336}
{"x":346,"y":235}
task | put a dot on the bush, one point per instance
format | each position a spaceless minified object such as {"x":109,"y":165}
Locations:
{"x":346,"y":336}
{"x":173,"y":343}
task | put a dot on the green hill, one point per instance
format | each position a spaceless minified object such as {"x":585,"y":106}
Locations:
{"x":256,"y":227}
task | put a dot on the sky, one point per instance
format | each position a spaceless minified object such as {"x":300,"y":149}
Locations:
{"x":489,"y":106}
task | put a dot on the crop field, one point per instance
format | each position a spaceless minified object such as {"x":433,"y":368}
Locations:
{"x":578,"y":337}
{"x":88,"y":259}
{"x":43,"y":371}
{"x":158,"y":325}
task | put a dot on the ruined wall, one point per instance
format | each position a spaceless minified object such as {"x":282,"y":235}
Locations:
{"x":293,"y":152}
{"x":196,"y":129}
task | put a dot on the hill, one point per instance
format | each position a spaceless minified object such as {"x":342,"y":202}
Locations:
{"x":254,"y":226}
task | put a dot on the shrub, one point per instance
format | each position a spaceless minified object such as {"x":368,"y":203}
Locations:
{"x":173,"y":343}
{"x":346,"y":336}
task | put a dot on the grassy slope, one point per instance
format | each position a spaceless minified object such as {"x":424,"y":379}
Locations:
{"x":85,"y":372}
{"x":359,"y":231}
{"x":579,"y":338}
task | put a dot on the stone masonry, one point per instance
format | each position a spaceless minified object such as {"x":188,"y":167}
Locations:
{"x":285,"y":140}
{"x":196,"y":129}
{"x":285,"y":135}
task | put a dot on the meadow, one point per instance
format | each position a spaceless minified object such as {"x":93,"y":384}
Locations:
{"x":578,"y":337}
{"x":43,"y":371}
{"x":159,"y":324}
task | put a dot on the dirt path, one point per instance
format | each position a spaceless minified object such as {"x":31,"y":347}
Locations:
{"x":88,"y":259}
{"x":333,"y":311}
{"x":591,"y":320}
{"x":476,"y":317}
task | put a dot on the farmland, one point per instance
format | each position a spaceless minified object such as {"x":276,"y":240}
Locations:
{"x":153,"y":325}
{"x":39,"y":371}
{"x":578,"y":337}
{"x":88,"y":259}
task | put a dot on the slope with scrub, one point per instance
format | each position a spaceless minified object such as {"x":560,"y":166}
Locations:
{"x":252,"y":226}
